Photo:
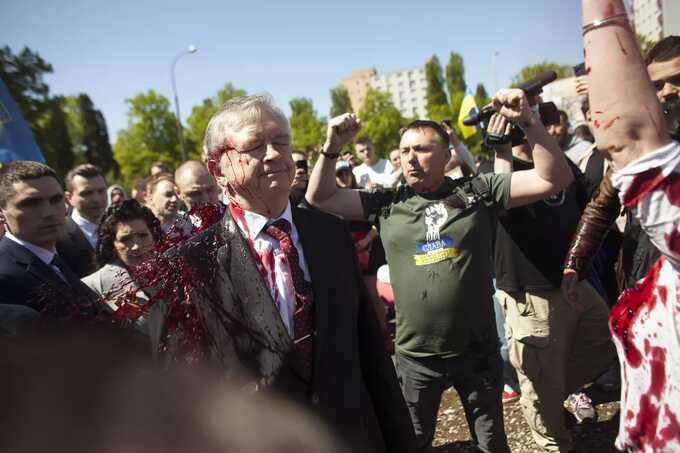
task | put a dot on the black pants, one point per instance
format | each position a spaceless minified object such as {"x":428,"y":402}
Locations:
{"x":476,"y":376}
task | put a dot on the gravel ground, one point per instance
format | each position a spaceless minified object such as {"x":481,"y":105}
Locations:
{"x":453,"y":436}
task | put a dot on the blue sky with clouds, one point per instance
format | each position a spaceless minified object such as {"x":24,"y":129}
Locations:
{"x":114,"y":50}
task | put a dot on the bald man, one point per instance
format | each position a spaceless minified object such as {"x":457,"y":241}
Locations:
{"x":194,"y":184}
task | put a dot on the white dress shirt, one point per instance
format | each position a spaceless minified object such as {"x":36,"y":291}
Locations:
{"x":44,"y":255}
{"x":270,"y":259}
{"x":88,"y":228}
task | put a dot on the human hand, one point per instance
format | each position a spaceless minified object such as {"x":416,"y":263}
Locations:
{"x":453,"y":136}
{"x":341,"y":130}
{"x":582,"y":85}
{"x":569,"y":289}
{"x":513,"y":105}
{"x":500,"y":127}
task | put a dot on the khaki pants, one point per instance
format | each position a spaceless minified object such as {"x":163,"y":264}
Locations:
{"x":555,"y":349}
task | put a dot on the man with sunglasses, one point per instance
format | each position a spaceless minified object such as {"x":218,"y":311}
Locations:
{"x":438,"y":234}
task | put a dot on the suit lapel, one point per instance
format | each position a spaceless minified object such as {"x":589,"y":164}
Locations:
{"x":312,"y":248}
{"x":34,"y":265}
{"x":77,"y":235}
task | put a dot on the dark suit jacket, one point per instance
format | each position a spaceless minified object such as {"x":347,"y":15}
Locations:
{"x":26,"y":280}
{"x":354,"y":386}
{"x":75,"y":249}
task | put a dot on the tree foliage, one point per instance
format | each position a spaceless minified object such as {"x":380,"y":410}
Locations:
{"x":23,"y":75}
{"x":89,"y":134}
{"x":644,"y":44}
{"x":200,"y":116}
{"x":481,"y":96}
{"x":435,"y":94}
{"x":308,"y":130}
{"x":150,"y":136}
{"x":381,"y":121}
{"x":455,"y":74}
{"x":529,"y":72}
{"x":53,"y":136}
{"x":340,"y":101}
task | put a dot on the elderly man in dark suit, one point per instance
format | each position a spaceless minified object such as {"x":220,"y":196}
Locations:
{"x":276,"y":293}
{"x":31,"y":272}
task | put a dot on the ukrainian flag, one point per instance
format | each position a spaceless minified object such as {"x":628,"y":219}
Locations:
{"x":467,"y":108}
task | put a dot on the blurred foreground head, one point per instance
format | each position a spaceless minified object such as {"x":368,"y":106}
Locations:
{"x":91,"y":394}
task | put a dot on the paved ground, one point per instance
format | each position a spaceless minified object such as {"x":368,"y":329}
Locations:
{"x":453,"y":436}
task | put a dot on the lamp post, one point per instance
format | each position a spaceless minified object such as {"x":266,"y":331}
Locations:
{"x":189,"y":50}
{"x":494,"y":55}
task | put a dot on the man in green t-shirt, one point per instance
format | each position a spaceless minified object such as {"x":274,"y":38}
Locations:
{"x":437,"y":233}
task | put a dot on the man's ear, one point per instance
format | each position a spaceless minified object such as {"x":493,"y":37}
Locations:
{"x":67,"y":197}
{"x":216,"y":173}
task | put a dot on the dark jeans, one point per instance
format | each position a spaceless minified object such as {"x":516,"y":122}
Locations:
{"x":476,"y":377}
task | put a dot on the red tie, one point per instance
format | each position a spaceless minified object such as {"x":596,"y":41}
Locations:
{"x":304,"y":299}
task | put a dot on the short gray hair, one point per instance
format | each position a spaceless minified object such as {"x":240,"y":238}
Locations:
{"x":234,"y":114}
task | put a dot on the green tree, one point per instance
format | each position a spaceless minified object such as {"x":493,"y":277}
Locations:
{"x":308,"y":130}
{"x":529,"y":72}
{"x":53,"y":136}
{"x":340,"y":102}
{"x":96,"y":144}
{"x":455,"y":74}
{"x":481,"y":96}
{"x":644,"y":44}
{"x":151,"y":135}
{"x":435,"y":94}
{"x":381,"y":121}
{"x":74,"y":120}
{"x":197,"y":122}
{"x":23,"y":75}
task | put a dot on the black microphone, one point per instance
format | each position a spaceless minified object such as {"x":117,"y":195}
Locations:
{"x":535,"y":85}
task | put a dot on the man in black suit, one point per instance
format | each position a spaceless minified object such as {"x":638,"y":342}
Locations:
{"x":31,"y":272}
{"x":86,"y":193}
{"x":276,"y":294}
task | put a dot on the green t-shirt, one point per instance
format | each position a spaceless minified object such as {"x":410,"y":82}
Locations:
{"x":440,"y":253}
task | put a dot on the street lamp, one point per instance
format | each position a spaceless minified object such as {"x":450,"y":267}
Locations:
{"x":189,"y":50}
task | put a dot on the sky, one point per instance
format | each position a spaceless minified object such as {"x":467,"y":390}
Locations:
{"x":114,"y":50}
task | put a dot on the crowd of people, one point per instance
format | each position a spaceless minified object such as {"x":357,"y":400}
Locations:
{"x":549,"y":267}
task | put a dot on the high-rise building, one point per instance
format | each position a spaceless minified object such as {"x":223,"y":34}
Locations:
{"x":656,"y":19}
{"x":357,"y":85}
{"x":407,"y":89}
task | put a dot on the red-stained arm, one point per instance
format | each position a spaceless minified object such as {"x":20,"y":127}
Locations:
{"x":627,"y":117}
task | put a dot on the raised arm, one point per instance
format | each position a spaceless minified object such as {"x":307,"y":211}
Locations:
{"x":627,"y":117}
{"x":322,"y":191}
{"x":551,"y":173}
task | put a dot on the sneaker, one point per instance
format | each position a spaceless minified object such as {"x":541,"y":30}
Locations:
{"x":582,"y":407}
{"x":509,"y":395}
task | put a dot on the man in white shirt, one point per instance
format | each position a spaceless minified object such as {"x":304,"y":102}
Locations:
{"x":374,"y":171}
{"x":86,"y":194}
{"x":31,"y":272}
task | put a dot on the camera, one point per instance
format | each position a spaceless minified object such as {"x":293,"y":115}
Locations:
{"x":547,"y":111}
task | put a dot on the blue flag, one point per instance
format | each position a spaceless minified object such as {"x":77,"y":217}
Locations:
{"x":16,"y":138}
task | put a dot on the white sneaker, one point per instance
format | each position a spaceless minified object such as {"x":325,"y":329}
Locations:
{"x":582,"y":407}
